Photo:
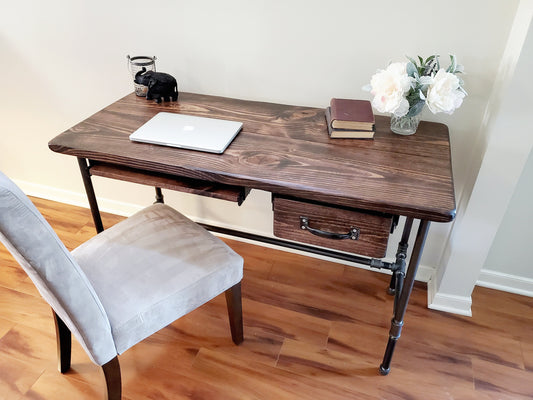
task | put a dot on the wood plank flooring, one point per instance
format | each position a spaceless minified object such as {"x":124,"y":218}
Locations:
{"x":313,"y":330}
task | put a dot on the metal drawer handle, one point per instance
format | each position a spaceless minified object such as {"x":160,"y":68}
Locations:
{"x":353,"y":234}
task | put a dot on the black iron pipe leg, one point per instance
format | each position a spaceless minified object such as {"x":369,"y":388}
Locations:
{"x":403,"y":299}
{"x":392,"y":285}
{"x":401,"y":253}
{"x":399,"y":276}
{"x":159,"y":195}
{"x":89,"y":189}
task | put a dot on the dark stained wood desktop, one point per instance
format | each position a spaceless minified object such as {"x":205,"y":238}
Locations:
{"x":285,"y":150}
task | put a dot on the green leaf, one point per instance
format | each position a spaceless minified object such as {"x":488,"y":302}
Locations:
{"x":411,"y":60}
{"x":416,"y":108}
{"x":411,"y":69}
{"x":412,"y":97}
{"x":453,"y":64}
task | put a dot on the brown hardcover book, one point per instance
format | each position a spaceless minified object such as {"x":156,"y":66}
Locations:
{"x":352,"y":114}
{"x":346,"y":133}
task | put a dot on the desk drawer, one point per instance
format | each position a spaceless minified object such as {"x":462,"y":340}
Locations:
{"x":164,"y":181}
{"x":350,"y":230}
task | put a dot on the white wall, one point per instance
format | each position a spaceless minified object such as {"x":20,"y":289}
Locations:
{"x":508,"y":144}
{"x":508,"y":265}
{"x":66,"y":60}
{"x":511,"y":250}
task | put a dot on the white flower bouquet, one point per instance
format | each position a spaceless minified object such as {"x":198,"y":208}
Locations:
{"x":402,"y":89}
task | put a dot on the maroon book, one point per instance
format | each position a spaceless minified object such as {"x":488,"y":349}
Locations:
{"x":346,"y":133}
{"x":351,"y":114}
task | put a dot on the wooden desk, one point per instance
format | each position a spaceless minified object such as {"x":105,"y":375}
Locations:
{"x":286,"y":150}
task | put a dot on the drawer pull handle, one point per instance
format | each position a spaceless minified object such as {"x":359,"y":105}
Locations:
{"x":353,"y":234}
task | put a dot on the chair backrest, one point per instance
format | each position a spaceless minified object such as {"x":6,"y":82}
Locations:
{"x":55,"y":273}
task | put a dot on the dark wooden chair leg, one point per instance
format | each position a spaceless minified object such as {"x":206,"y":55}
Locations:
{"x":64,"y":344}
{"x":234,"y":303}
{"x":112,"y":379}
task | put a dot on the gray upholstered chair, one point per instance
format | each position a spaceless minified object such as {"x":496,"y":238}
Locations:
{"x":124,"y":284}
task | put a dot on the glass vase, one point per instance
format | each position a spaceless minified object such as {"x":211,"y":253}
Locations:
{"x":404,"y":125}
{"x":135,"y":65}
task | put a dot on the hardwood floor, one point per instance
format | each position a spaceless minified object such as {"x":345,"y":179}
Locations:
{"x":313,"y":330}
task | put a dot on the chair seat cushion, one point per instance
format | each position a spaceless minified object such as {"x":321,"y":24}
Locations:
{"x":153,"y":268}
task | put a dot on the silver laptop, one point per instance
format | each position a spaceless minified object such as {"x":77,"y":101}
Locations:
{"x":188,"y":132}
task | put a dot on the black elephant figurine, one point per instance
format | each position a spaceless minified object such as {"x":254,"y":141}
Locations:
{"x":161,"y":86}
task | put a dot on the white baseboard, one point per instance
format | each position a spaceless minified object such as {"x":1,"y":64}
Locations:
{"x":505,"y":282}
{"x":487,"y":278}
{"x":461,"y":305}
{"x":76,"y":198}
{"x":125,"y":209}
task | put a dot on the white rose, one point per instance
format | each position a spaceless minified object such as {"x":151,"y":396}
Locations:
{"x":389,"y":87}
{"x":444,"y":94}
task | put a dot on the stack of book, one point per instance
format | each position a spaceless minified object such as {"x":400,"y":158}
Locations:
{"x":348,"y":118}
